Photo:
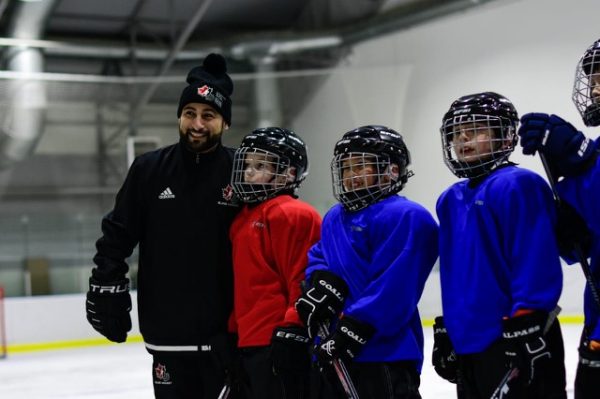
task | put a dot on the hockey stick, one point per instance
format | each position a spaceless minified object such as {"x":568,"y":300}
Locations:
{"x":585,"y":266}
{"x":340,"y":369}
{"x":225,"y":392}
{"x":503,"y":389}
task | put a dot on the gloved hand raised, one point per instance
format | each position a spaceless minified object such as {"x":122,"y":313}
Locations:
{"x":322,"y":300}
{"x":443,"y":357}
{"x":567,"y":150}
{"x":108,"y":305}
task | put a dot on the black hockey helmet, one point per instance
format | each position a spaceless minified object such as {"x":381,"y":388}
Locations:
{"x":278,"y":147}
{"x":373,"y":146}
{"x":587,"y":74}
{"x":480,"y":112}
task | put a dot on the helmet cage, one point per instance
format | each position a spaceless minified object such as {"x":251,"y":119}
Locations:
{"x":357,"y":191}
{"x":465,"y":159}
{"x":586,"y":73}
{"x":258,"y":192}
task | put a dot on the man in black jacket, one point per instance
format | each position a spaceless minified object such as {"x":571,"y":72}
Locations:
{"x":176,"y":203}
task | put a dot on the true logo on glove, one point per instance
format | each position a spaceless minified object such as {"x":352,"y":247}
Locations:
{"x":109,"y":289}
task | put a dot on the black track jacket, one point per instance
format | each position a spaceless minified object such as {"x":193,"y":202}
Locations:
{"x":178,"y":206}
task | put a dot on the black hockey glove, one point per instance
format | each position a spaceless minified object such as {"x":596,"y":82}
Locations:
{"x":567,"y":150}
{"x":589,"y":358}
{"x":290,"y":350}
{"x":571,"y":230}
{"x":443,"y":357}
{"x":346,"y":342}
{"x":108,"y":306}
{"x":526,"y":346}
{"x":321,"y":301}
{"x":223,"y":349}
{"x":588,"y":370}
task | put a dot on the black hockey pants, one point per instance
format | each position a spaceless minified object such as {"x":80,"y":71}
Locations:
{"x":263,"y":384}
{"x":381,"y":380}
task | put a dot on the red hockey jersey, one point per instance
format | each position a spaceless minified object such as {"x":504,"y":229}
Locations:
{"x":270,"y":244}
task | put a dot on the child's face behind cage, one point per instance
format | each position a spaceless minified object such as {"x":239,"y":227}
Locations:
{"x":259,"y":168}
{"x":595,"y":85}
{"x":474,"y":141}
{"x":359,"y":171}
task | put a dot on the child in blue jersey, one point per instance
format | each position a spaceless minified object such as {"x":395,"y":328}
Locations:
{"x":500,"y":272}
{"x":575,"y":158}
{"x":365,"y":276}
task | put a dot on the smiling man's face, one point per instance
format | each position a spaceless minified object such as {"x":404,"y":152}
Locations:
{"x":201,"y":127}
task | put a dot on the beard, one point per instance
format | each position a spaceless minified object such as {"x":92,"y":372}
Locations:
{"x":199,"y":141}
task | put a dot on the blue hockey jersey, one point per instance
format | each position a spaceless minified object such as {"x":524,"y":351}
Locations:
{"x":385,"y":253}
{"x":498,"y":254}
{"x":582,"y":192}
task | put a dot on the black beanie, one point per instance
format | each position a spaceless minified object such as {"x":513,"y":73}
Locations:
{"x":209,"y":84}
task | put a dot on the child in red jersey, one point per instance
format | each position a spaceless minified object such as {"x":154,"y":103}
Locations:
{"x":271,"y":237}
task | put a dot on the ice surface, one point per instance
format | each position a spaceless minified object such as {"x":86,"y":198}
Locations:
{"x":124,"y":372}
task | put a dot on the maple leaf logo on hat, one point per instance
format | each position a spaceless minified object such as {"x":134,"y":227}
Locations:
{"x":204,"y":91}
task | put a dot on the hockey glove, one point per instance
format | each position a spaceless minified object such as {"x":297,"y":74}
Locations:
{"x":108,"y":306}
{"x":223,"y":349}
{"x":589,"y":357}
{"x":526,"y":347}
{"x":346,"y":342}
{"x":290,"y":350}
{"x":567,"y":150}
{"x":588,"y":370}
{"x":443,"y":358}
{"x":571,"y":231}
{"x":322,"y":301}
